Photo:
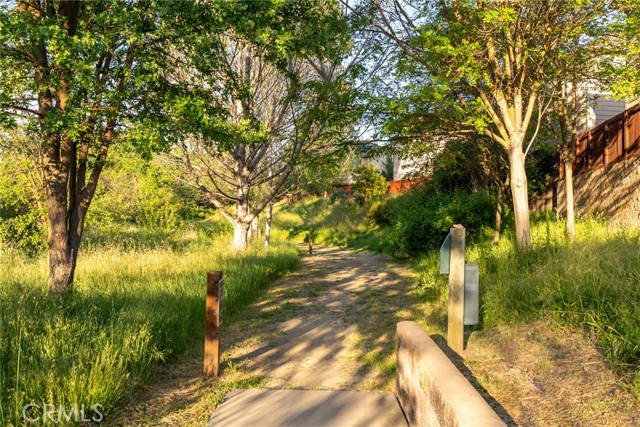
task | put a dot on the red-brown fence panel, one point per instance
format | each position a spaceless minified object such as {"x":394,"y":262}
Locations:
{"x":633,"y":132}
{"x":611,"y":142}
{"x":401,"y":185}
{"x":595,"y":150}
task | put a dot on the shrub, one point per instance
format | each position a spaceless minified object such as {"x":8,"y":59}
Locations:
{"x":381,"y":213}
{"x":340,"y":196}
{"x":138,"y":192}
{"x":22,"y":220}
{"x":419,"y":220}
{"x":368,"y":183}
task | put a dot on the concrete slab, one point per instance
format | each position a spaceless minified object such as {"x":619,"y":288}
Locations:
{"x":305,"y":408}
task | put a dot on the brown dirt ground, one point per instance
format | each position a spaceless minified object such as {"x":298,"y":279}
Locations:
{"x":331,"y":325}
{"x":542,"y":375}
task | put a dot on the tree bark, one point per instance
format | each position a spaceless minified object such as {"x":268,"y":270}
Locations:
{"x":568,"y":177}
{"x":61,"y":256}
{"x":240,"y":235}
{"x":267,"y":225}
{"x":569,"y":157}
{"x":254,"y":231}
{"x":499,"y":206}
{"x":520,"y":195}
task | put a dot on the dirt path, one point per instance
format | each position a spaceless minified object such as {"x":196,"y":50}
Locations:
{"x":328,"y":326}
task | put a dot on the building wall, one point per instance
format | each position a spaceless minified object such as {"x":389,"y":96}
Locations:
{"x":606,"y":107}
{"x":408,"y":168}
{"x":378,"y":163}
{"x":597,"y":107}
{"x":612,"y":191}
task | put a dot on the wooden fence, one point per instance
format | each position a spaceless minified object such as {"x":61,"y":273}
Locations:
{"x":399,"y":186}
{"x":614,"y":140}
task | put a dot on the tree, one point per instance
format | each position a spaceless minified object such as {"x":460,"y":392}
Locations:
{"x":388,"y":167}
{"x":580,"y":64}
{"x":481,"y":66}
{"x":368,"y":182}
{"x":623,"y":75}
{"x":76,"y":74}
{"x":277,"y":107}
{"x":68,"y":70}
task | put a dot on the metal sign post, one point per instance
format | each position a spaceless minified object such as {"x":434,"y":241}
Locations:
{"x":445,"y":255}
{"x":213,"y":319}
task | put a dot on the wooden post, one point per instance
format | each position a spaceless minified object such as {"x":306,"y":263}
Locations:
{"x":310,"y":243}
{"x":625,"y":135}
{"x":605,"y":146}
{"x":455,"y":325}
{"x":212,"y":324}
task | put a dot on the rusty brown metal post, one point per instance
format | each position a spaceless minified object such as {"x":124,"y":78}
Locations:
{"x":310,"y":243}
{"x":212,"y":324}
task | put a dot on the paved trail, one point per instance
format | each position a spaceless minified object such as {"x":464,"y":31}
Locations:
{"x":330,"y":325}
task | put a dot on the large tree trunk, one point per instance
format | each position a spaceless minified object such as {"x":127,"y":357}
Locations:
{"x":240,"y":235}
{"x":65,"y":234}
{"x":568,"y":177}
{"x":520,"y":195}
{"x":61,"y":256}
{"x":267,"y":225}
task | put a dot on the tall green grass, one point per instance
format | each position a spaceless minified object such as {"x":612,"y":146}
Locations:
{"x":130,"y":310}
{"x":332,"y":221}
{"x":592,"y":284}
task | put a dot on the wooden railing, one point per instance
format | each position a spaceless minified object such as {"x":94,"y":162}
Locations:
{"x":614,"y":140}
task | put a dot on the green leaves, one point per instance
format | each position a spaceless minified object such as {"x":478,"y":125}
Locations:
{"x":368,"y":182}
{"x":500,"y":15}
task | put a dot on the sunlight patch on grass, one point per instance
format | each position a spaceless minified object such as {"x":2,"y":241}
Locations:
{"x":130,"y":310}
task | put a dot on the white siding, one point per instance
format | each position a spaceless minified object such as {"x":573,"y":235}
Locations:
{"x":403,"y":168}
{"x":604,"y":107}
{"x":379,"y":163}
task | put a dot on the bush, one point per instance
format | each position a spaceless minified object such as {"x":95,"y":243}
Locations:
{"x":420,"y":220}
{"x":22,"y":221}
{"x":381,"y":213}
{"x":340,"y":196}
{"x":368,"y":183}
{"x":138,"y":192}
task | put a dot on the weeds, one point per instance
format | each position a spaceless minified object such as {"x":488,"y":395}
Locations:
{"x":591,"y":283}
{"x":130,"y":310}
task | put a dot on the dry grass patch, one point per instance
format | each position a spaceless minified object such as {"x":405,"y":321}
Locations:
{"x":543,"y":375}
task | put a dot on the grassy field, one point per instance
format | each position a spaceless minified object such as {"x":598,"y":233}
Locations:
{"x":332,"y":222}
{"x":591,"y":284}
{"x":133,"y":307}
{"x":140,"y":302}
